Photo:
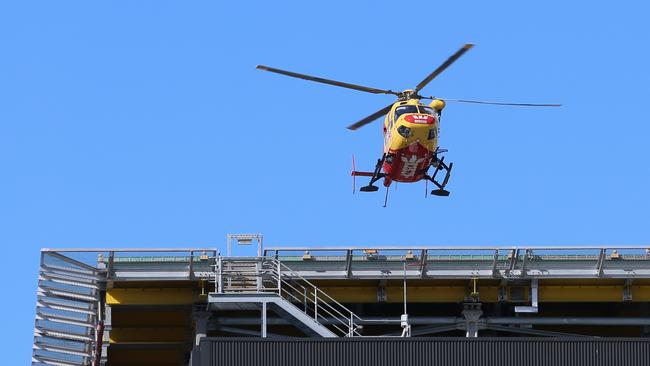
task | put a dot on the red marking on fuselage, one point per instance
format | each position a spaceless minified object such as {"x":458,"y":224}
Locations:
{"x":420,"y":119}
{"x":407,"y":164}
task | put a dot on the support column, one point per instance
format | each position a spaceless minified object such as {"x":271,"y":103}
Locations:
{"x":263,"y":331}
{"x":201,"y":326}
{"x":108,"y":326}
{"x":472,"y":313}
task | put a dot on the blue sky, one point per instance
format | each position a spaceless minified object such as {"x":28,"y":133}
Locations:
{"x":146,"y":124}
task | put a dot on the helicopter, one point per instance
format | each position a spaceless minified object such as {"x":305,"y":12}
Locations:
{"x":410,"y":131}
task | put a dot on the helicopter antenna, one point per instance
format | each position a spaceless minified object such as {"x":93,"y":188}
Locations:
{"x":386,"y":198}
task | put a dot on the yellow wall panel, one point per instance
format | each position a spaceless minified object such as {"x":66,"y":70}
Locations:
{"x":427,"y":294}
{"x":489,"y":293}
{"x":640,"y":293}
{"x":580,"y":293}
{"x":150,"y":296}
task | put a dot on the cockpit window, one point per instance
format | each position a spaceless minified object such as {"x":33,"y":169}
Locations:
{"x":405,"y":109}
{"x":427,"y":110}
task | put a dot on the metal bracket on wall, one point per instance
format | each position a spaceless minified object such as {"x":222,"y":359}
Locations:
{"x":495,"y":261}
{"x":534,"y":299}
{"x":627,"y":290}
{"x":503,"y":291}
{"x":382,"y":295}
{"x":423,"y":263}
{"x":601,"y":262}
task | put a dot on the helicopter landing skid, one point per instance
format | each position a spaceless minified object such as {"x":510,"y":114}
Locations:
{"x":376,"y":175}
{"x":440,"y":192}
{"x":440,"y":165}
{"x":369,"y":188}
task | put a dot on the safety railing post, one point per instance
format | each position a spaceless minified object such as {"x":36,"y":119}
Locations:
{"x":304,"y":299}
{"x":220,"y":275}
{"x":190,"y":268}
{"x":229,"y":282}
{"x":316,"y":303}
{"x":109,"y":267}
{"x":258,"y":274}
{"x":279,"y":277}
{"x":351,"y":327}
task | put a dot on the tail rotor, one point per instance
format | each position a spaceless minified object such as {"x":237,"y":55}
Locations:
{"x":354,"y":176}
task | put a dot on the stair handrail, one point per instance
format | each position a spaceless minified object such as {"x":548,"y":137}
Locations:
{"x":321,"y":305}
{"x":278,"y":273}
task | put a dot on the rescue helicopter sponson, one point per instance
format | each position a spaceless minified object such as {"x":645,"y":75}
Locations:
{"x":410,"y":131}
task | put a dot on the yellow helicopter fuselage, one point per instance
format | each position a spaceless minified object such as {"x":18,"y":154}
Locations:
{"x":410,"y":139}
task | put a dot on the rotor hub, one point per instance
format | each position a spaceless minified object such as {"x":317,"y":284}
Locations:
{"x":408,"y":94}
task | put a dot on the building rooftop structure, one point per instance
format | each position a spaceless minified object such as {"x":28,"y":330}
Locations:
{"x":114,"y":306}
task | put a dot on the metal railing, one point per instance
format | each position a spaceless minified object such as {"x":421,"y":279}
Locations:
{"x":268,"y":275}
{"x":70,"y":326}
{"x":612,"y":261}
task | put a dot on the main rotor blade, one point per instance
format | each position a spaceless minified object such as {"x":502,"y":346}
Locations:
{"x":500,"y":103}
{"x":442,"y":67}
{"x":327,"y":81}
{"x":371,"y":117}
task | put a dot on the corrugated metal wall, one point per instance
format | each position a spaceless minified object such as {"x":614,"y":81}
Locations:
{"x":424,"y":351}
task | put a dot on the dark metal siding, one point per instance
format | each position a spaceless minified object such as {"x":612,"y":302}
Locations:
{"x":425,"y":351}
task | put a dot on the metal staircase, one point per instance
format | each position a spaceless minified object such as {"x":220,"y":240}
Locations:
{"x":246,"y":283}
{"x":66,"y":312}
